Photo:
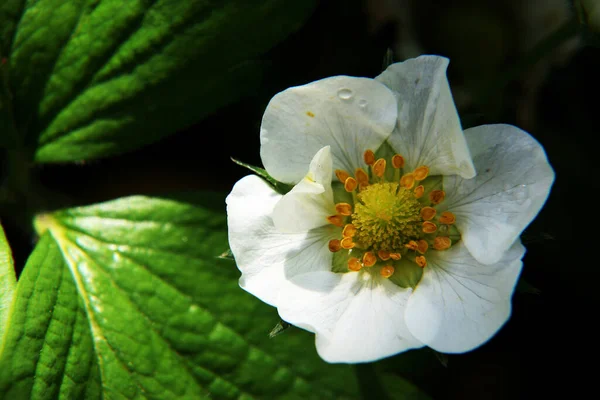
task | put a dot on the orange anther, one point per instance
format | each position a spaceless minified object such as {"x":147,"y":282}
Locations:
{"x":341,"y":175}
{"x":361,"y":177}
{"x":349,"y":230}
{"x":441,"y":243}
{"x":412,"y":245}
{"x":354,"y":264}
{"x":369,"y":259}
{"x":429,"y":227}
{"x":386,"y":271}
{"x":379,"y":167}
{"x":384,"y":255}
{"x":343,"y":208}
{"x":350,"y":184}
{"x":421,"y":261}
{"x":347,"y":243}
{"x":407,"y":181}
{"x":427,"y":213}
{"x":437,"y":196}
{"x":369,"y":157}
{"x":421,"y":172}
{"x":447,"y":218}
{"x":398,"y":161}
{"x":336,"y":220}
{"x":419,"y":190}
{"x":422,"y":246}
{"x":334,"y":245}
{"x":395,"y":256}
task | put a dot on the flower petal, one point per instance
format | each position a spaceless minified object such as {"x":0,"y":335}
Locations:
{"x":266,"y":257}
{"x":459,"y":303}
{"x":428,"y":131}
{"x":349,"y":114}
{"x":356,"y":317}
{"x":310,"y":202}
{"x":512,"y":184}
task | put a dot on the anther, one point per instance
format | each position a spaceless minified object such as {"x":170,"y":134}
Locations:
{"x":422,"y":246}
{"x":421,"y":261}
{"x":429,"y":227}
{"x":335,"y":245}
{"x":412,"y":245}
{"x":349,"y":230}
{"x":379,"y":167}
{"x":347,"y":243}
{"x":361,"y":177}
{"x":441,"y":243}
{"x":447,"y":218}
{"x":343,"y":209}
{"x":407,"y":181}
{"x":419,"y":190}
{"x":386,"y":271}
{"x":398,"y":161}
{"x":395,"y":256}
{"x":421,"y":172}
{"x":336,"y":220}
{"x":350,"y":184}
{"x":427,"y":213}
{"x":383,"y":255}
{"x":437,"y":196}
{"x":354,"y":264}
{"x":369,"y":259}
{"x":369,"y":157}
{"x":341,"y":175}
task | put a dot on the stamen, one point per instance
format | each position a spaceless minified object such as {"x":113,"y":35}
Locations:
{"x":336,"y":220}
{"x":350,"y":184}
{"x":349,"y":230}
{"x":437,"y":196}
{"x":427,"y":213}
{"x":429,"y":227}
{"x":354,"y":264}
{"x":361,"y":177}
{"x":422,"y":246}
{"x":395,"y":256}
{"x":347,"y":243}
{"x":419,"y":190}
{"x":398,"y":161}
{"x":384,"y":255}
{"x":379,"y":167}
{"x":407,"y":181}
{"x":334,"y":245}
{"x":369,"y":157}
{"x":342,"y":175}
{"x":421,"y":261}
{"x":387,"y":271}
{"x":447,"y":218}
{"x":441,"y":243}
{"x":369,"y":259}
{"x":412,"y":245}
{"x":421,"y":172}
{"x":343,"y":209}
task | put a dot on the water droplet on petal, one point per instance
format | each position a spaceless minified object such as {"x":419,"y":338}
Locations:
{"x":345,"y":94}
{"x":362,"y":103}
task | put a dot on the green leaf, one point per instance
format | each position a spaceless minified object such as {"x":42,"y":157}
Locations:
{"x":164,"y":317}
{"x":8,"y":281}
{"x":92,"y":78}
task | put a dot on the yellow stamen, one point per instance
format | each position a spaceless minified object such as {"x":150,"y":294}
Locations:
{"x":343,"y":209}
{"x":421,"y":172}
{"x":350,"y":184}
{"x":419,"y":190}
{"x":347,"y":243}
{"x":429,"y":227}
{"x":379,"y":167}
{"x":447,"y":218}
{"x":441,"y":243}
{"x":341,"y":175}
{"x":427,"y":213}
{"x":395,"y":256}
{"x":334,"y":245}
{"x":421,"y":261}
{"x":384,"y":255}
{"x":369,"y":259}
{"x":422,"y":246}
{"x":369,"y":157}
{"x":412,"y":245}
{"x":386,"y":271}
{"x":349,"y":230}
{"x":407,"y":181}
{"x":336,"y":220}
{"x":361,"y":177}
{"x":398,"y":161}
{"x":354,"y":264}
{"x":437,"y":196}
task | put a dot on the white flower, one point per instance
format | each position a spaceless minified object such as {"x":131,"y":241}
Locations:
{"x":404,"y":246}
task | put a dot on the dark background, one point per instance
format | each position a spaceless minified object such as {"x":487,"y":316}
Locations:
{"x":547,"y":347}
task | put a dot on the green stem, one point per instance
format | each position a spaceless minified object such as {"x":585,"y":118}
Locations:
{"x":369,"y":383}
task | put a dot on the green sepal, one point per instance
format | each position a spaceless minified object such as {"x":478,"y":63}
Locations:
{"x":279,"y":187}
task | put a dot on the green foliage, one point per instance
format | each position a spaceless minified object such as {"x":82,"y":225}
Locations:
{"x":8,"y":281}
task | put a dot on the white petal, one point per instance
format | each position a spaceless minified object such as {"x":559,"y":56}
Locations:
{"x":459,"y":303}
{"x":266,"y":257}
{"x":356,"y":317}
{"x":310,"y":202}
{"x":511,"y":186}
{"x":428,"y":131}
{"x":349,"y":114}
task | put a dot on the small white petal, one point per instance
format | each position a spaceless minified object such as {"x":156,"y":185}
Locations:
{"x":356,"y":317}
{"x":428,"y":130}
{"x":349,"y":114}
{"x":511,"y":186}
{"x":459,"y":303}
{"x":266,"y":257}
{"x":310,"y":202}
